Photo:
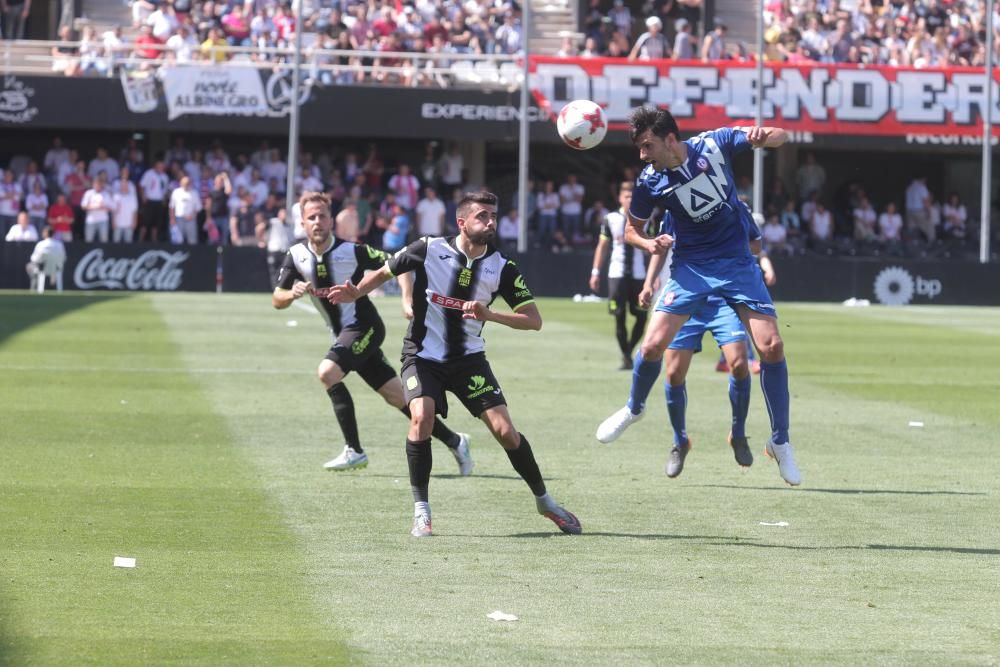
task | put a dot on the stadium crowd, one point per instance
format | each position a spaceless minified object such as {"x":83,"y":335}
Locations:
{"x":204,"y":194}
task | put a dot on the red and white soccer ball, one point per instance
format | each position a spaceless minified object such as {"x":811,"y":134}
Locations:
{"x":581,"y":124}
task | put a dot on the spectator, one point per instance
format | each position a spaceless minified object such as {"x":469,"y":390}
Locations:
{"x":954,"y":216}
{"x":430,"y":214}
{"x":621,"y":17}
{"x":10,"y":201}
{"x":37,"y":205}
{"x":890,"y":224}
{"x":214,"y":48}
{"x":714,"y":47}
{"x":153,"y":197}
{"x":507,"y":231}
{"x":347,"y":225}
{"x":147,"y":45}
{"x":652,"y":44}
{"x":918,"y":209}
{"x":865,"y":221}
{"x":810,"y":177}
{"x":548,"y":214}
{"x":685,"y":44}
{"x":47,"y":260}
{"x":22,"y":231}
{"x":407,"y":188}
{"x":125,"y":211}
{"x":774,"y":235}
{"x":76,"y":185}
{"x":571,"y":207}
{"x":450,"y":167}
{"x":97,"y":207}
{"x":184,"y":207}
{"x":65,"y":54}
{"x":821,"y":225}
{"x":183,"y":45}
{"x":102,"y":165}
{"x":15,"y":17}
{"x":61,"y":219}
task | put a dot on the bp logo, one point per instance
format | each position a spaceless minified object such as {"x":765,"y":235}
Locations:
{"x":895,"y":286}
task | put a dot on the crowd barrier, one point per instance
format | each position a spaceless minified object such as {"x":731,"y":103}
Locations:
{"x":160,"y":267}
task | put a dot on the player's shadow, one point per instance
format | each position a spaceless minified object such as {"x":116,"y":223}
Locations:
{"x":717,"y":540}
{"x":849,"y":492}
{"x":454,"y":475}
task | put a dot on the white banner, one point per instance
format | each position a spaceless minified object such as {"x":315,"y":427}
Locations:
{"x":215,"y":91}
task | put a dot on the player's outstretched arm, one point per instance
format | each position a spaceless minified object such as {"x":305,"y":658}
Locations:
{"x":282,"y":298}
{"x":526,"y":317}
{"x":765,"y":137}
{"x":654,"y":245}
{"x":349,"y":292}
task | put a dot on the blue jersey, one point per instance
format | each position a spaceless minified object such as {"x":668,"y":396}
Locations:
{"x":752,"y":231}
{"x":700,"y":194}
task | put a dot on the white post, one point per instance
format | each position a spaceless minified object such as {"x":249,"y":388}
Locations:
{"x":293,"y":116}
{"x":758,"y":155}
{"x":523,"y":135}
{"x":986,"y":195}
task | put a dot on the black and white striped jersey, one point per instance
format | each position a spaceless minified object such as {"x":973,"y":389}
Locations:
{"x":341,"y":261}
{"x":443,"y":277}
{"x":627,"y":261}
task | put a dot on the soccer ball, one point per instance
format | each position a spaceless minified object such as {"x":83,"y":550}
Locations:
{"x":581,"y":124}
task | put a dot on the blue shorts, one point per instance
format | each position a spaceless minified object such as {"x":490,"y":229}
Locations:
{"x":715,"y":316}
{"x":736,"y":280}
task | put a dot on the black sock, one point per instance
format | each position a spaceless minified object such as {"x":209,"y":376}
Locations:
{"x":524,"y":463}
{"x":419,"y":460}
{"x":637,"y":330}
{"x":343,"y":407}
{"x":621,"y":334}
{"x":440,"y":431}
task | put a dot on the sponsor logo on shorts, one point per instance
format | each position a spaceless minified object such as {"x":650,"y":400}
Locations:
{"x":478,"y":386}
{"x":668,"y":298}
{"x":361,"y":344}
{"x":412,"y":382}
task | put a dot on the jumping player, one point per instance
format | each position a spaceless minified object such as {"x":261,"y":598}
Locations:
{"x":313,"y":267}
{"x":455,"y":278}
{"x":626,"y":273}
{"x":694,"y":181}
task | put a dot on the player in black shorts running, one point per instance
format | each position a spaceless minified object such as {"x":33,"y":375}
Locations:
{"x":454,"y":280}
{"x":313,"y":267}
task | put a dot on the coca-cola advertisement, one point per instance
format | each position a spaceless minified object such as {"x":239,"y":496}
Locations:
{"x":120,"y":267}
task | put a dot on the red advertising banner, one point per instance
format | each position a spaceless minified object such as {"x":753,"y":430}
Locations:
{"x":822,"y":99}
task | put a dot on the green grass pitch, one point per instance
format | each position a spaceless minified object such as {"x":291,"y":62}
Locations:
{"x":189,"y":432}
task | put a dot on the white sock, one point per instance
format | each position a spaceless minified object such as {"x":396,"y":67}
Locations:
{"x":421,"y":508}
{"x":546,"y":501}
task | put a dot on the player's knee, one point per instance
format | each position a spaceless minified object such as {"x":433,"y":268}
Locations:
{"x":772,"y":350}
{"x":652,"y":350}
{"x":739,"y":367}
{"x":328,"y":375}
{"x":507,"y":436}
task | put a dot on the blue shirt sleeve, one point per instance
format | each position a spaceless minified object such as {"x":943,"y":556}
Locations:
{"x":731,"y":140}
{"x":641,"y":207}
{"x":667,"y":224}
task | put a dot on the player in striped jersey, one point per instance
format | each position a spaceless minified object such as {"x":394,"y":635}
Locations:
{"x":626,"y":273}
{"x":455,"y":280}
{"x":313,"y":267}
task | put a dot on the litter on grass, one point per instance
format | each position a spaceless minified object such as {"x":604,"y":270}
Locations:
{"x":774,"y":523}
{"x":917,"y":424}
{"x":501,"y":616}
{"x":122,"y":561}
{"x":293,"y":323}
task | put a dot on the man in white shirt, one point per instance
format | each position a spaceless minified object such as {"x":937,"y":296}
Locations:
{"x":23,"y":231}
{"x":102,"y":163}
{"x":406,"y":186}
{"x":571,"y":207}
{"x":54,"y":157}
{"x":96,"y":205}
{"x":125,"y":216}
{"x":306,"y":182}
{"x":153,"y":185}
{"x":889,"y":224}
{"x":184,"y":206}
{"x":275,"y":168}
{"x":430,"y":214}
{"x":918,"y":209}
{"x":48,"y":252}
{"x":258,"y":188}
{"x":183,"y":44}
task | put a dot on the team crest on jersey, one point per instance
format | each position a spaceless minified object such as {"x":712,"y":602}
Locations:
{"x":321,"y":270}
{"x":702,"y":164}
{"x":464,"y":277}
{"x":668,"y":298}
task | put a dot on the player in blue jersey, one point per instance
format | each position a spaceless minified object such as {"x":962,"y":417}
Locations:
{"x":693,"y":180}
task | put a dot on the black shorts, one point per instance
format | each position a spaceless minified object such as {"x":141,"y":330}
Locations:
{"x":623,"y":293}
{"x":359,"y":348}
{"x":470,"y":378}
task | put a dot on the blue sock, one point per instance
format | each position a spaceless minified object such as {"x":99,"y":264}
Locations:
{"x":644,"y":374}
{"x":739,"y":398}
{"x":676,"y":407}
{"x":774,"y":382}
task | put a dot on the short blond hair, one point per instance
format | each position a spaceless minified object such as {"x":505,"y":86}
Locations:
{"x":320,"y":198}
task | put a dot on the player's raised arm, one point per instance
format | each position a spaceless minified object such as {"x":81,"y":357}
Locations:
{"x":765,"y":137}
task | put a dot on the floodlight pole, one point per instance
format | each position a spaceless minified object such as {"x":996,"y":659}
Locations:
{"x":293,"y":116}
{"x":758,"y":155}
{"x":523,"y":140}
{"x":986,"y":195}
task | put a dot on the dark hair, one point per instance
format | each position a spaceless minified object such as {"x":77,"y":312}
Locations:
{"x":660,"y":121}
{"x":626,"y":185}
{"x":483,"y":197}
